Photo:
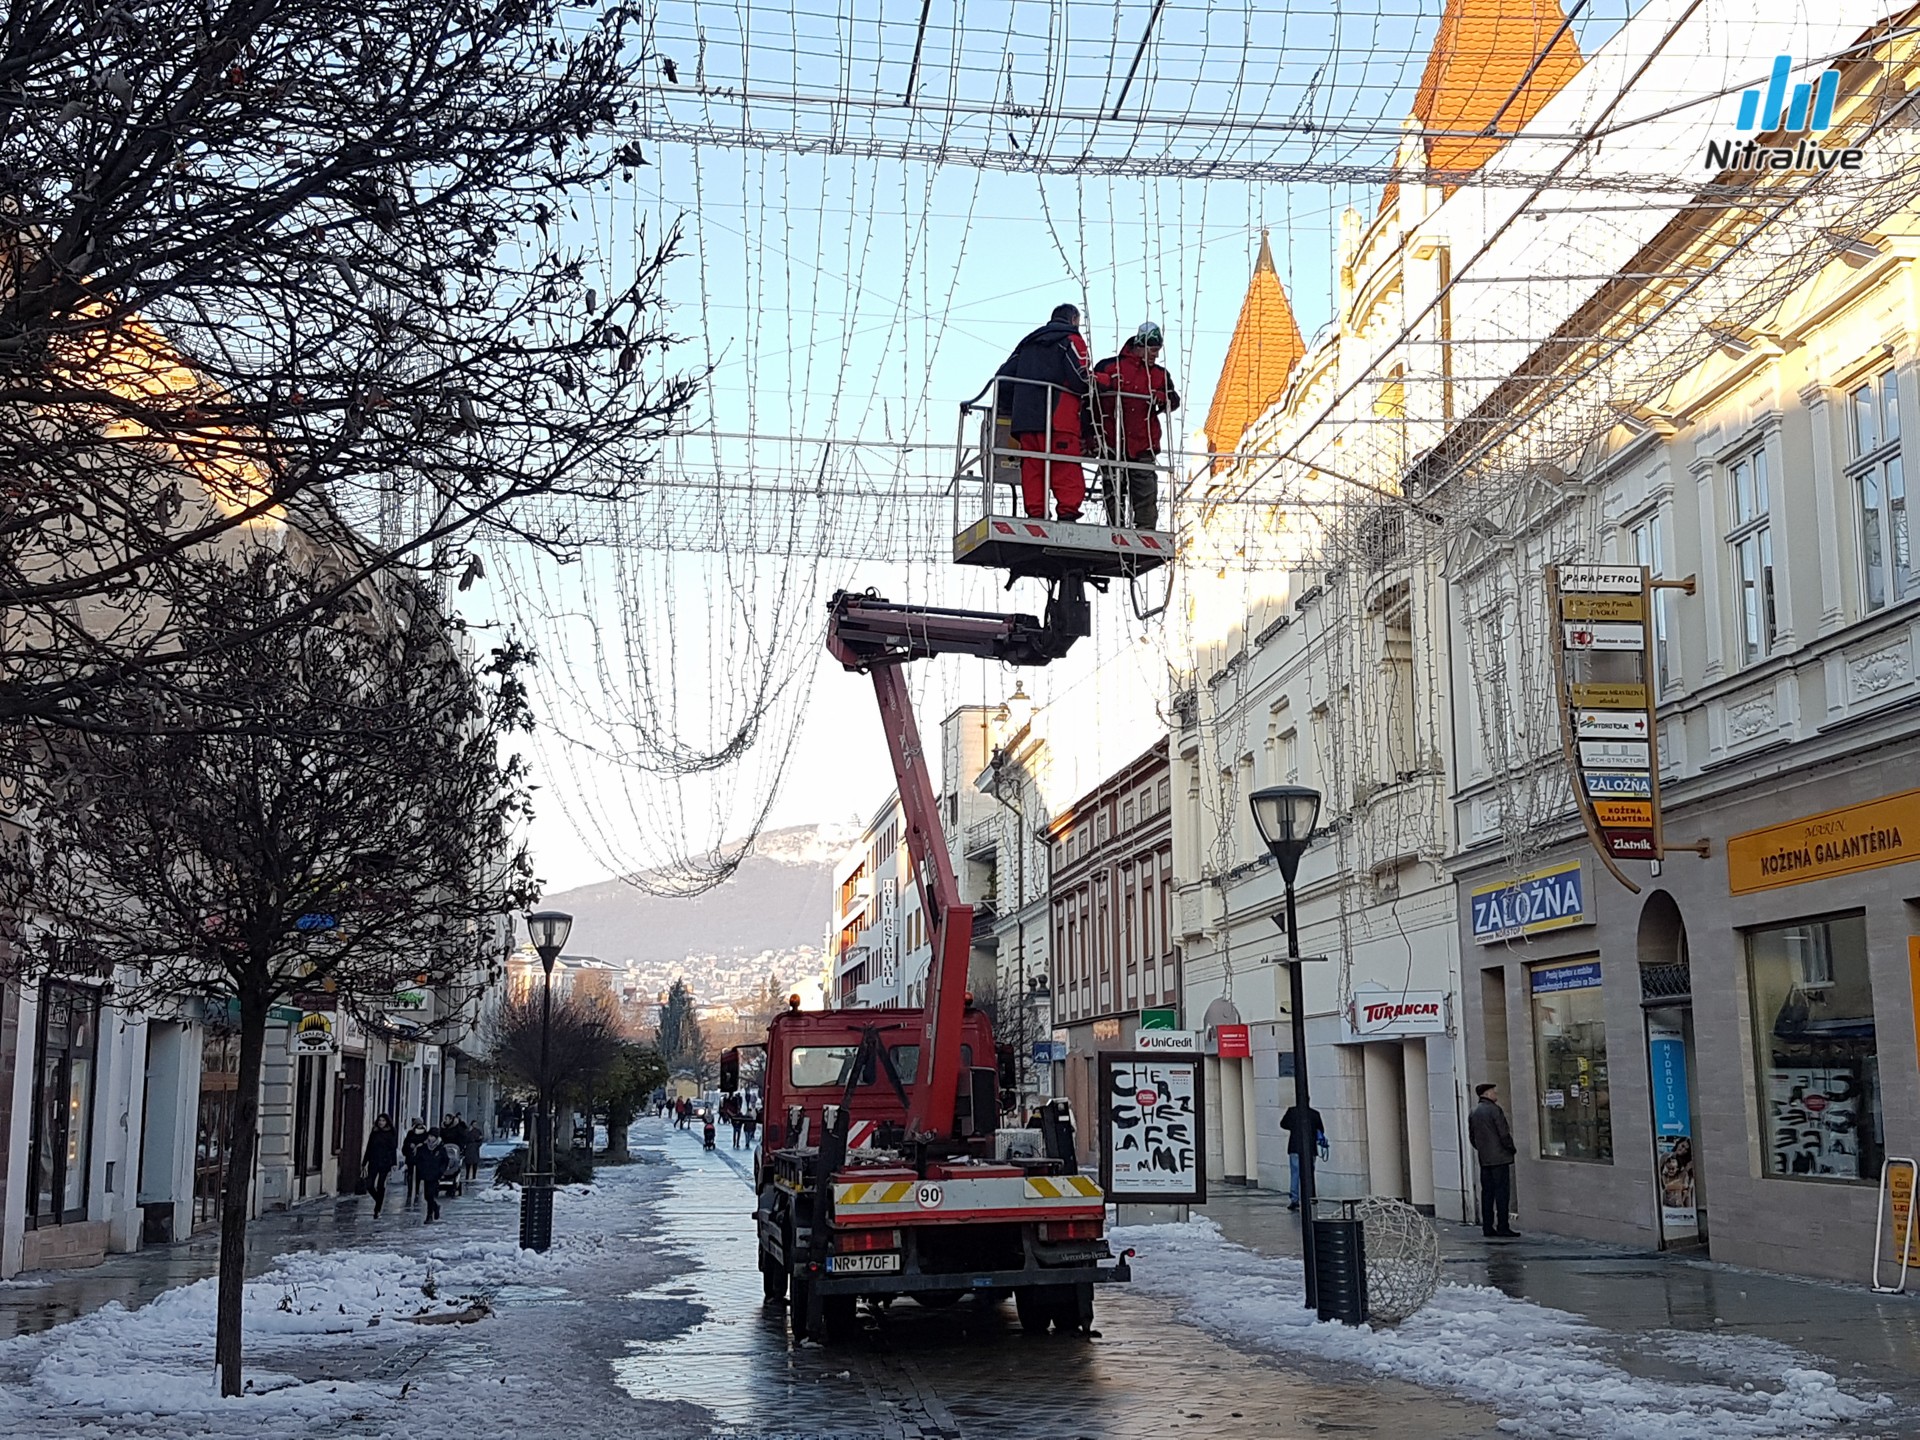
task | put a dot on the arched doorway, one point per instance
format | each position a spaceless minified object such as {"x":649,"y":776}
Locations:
{"x":1666,"y":998}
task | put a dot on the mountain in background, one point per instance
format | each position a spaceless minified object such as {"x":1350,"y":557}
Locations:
{"x":770,"y":916}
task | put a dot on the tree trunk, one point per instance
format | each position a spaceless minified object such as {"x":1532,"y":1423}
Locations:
{"x":236,"y":1195}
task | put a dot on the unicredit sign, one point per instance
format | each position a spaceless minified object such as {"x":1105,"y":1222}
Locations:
{"x":1171,"y":1042}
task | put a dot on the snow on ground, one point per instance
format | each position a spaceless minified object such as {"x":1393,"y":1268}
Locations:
{"x":150,"y":1370}
{"x":1550,"y":1372}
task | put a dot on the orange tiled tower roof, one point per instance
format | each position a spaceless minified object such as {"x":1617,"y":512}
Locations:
{"x":1483,"y":73}
{"x":1266,"y":345}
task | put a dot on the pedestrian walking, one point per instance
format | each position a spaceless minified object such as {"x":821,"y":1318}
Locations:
{"x":430,"y":1162}
{"x":739,"y":1123}
{"x":1042,"y":386}
{"x":1300,"y":1134}
{"x":752,"y":1124}
{"x":410,"y":1154}
{"x":1492,"y":1141}
{"x":382,"y":1154}
{"x":470,"y":1152}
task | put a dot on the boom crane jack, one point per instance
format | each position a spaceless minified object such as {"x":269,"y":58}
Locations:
{"x":874,"y":1186}
{"x":874,"y":635}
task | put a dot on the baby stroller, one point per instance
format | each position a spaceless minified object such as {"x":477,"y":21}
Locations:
{"x":706,"y":1130}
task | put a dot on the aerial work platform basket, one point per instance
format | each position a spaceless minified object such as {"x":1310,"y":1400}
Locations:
{"x":992,"y":528}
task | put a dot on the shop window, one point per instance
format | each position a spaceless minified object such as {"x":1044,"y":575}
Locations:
{"x":1570,"y":1056}
{"x":60,"y":1156}
{"x":1815,"y":1054}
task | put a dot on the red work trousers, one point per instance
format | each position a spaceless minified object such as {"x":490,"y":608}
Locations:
{"x":1069,"y":480}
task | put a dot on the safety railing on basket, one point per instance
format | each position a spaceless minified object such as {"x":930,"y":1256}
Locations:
{"x":1044,"y":474}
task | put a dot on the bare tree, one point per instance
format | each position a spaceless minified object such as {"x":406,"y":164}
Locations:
{"x":261,"y":257}
{"x":330,"y":812}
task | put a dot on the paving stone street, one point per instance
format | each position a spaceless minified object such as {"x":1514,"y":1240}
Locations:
{"x":658,"y":1328}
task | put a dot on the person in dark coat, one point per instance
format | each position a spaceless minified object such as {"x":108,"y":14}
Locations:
{"x":383,"y":1153}
{"x":416,"y":1136}
{"x":1301,"y":1134}
{"x":1492,"y":1141}
{"x":1042,"y":385}
{"x":1131,"y":391}
{"x":430,"y":1162}
{"x":470,"y":1151}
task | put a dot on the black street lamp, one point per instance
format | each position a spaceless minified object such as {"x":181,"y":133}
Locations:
{"x":548,"y":930}
{"x":1285,"y":816}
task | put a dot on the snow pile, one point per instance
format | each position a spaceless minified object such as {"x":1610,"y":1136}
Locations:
{"x":151,"y":1370}
{"x":1546,"y":1369}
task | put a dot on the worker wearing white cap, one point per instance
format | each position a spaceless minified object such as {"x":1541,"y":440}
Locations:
{"x":1134,"y":390}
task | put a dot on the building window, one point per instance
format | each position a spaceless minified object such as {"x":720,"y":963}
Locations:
{"x":1648,"y":534}
{"x":1751,"y":541}
{"x":59,"y":1159}
{"x":1570,"y":1057}
{"x":1879,"y":490}
{"x":1816,"y":1058}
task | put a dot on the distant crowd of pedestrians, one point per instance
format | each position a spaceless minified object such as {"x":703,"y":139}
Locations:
{"x":743,"y":1119}
{"x":432,"y":1160}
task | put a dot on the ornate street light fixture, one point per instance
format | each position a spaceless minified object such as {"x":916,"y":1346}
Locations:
{"x":1286,"y":816}
{"x":548,"y":930}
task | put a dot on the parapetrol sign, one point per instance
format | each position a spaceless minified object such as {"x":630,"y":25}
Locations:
{"x":1549,"y":899}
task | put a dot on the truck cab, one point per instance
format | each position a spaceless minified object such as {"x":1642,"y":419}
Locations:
{"x":850,"y":1206}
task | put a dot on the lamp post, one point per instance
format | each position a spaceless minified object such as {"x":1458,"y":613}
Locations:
{"x":548,"y":930}
{"x":1285,"y":816}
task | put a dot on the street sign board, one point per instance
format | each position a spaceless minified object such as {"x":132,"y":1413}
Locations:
{"x":1620,"y":784}
{"x":1628,"y":814}
{"x":1614,"y":579}
{"x":1608,"y":697}
{"x":1605,"y":635}
{"x":1603,"y":607}
{"x":1631,"y":844}
{"x":1607,"y":704}
{"x":1611,"y":724}
{"x":1615,"y":755}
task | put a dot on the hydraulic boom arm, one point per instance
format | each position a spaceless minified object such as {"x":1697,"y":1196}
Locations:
{"x":867,"y":633}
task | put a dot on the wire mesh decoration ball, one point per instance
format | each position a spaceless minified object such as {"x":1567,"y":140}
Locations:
{"x":1403,"y":1257}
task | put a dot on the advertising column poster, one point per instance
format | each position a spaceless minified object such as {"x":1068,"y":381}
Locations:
{"x":1672,"y":1130}
{"x":1152,"y":1110}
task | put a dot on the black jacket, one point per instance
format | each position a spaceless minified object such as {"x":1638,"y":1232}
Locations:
{"x":1490,"y":1135}
{"x":383,"y":1149}
{"x":1298,"y":1140}
{"x":431,"y":1162}
{"x":411,"y":1145}
{"x":1052,"y":355}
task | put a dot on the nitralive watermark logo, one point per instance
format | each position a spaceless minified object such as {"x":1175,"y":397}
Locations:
{"x":1804,"y":111}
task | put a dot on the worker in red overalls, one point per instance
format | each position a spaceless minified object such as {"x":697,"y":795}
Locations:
{"x":1042,"y":385}
{"x":1131,"y":391}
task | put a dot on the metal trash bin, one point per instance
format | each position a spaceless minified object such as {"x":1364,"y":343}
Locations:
{"x":1340,"y":1270}
{"x":536,"y":1215}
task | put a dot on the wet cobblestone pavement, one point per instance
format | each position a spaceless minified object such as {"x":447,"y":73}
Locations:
{"x":962,"y":1372}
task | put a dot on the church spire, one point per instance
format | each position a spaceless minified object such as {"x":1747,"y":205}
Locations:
{"x":1266,"y":345}
{"x":1495,"y":63}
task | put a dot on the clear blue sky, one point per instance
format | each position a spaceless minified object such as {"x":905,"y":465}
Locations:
{"x":859,"y":296}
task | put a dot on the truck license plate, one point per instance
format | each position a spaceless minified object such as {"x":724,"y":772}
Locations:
{"x":881,"y":1263}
